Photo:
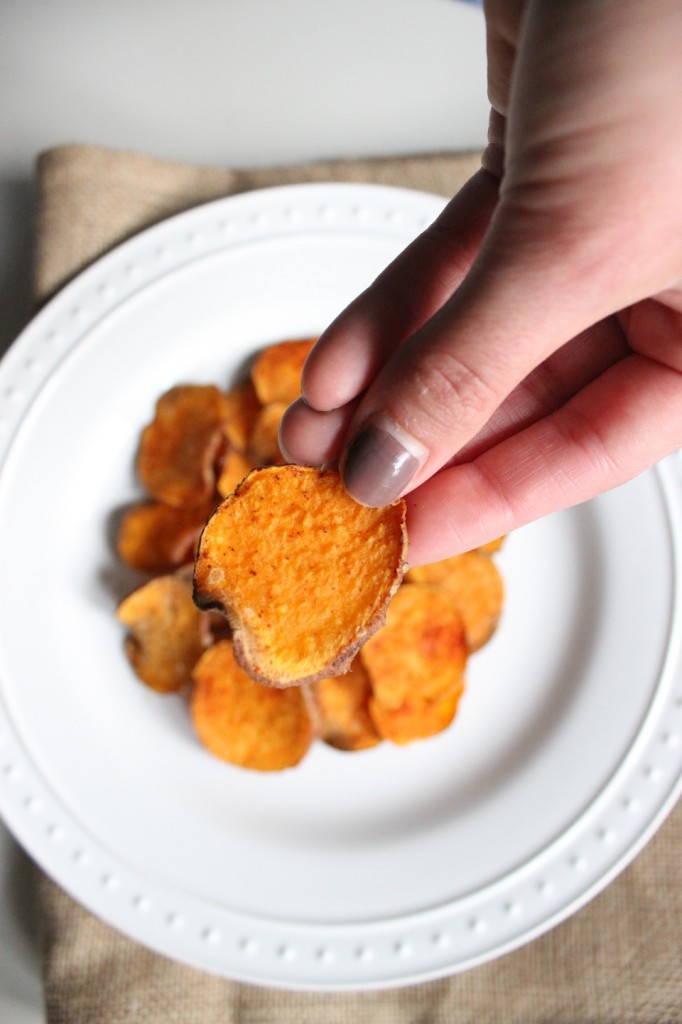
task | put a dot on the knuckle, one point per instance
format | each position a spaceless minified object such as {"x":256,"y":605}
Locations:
{"x":449,"y":391}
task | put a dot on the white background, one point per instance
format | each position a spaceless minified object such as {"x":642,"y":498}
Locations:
{"x":227,"y":82}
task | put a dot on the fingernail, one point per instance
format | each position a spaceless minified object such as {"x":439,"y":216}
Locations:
{"x":381,"y":461}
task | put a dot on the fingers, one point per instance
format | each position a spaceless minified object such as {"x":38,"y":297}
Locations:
{"x":350,"y":352}
{"x":312,"y":438}
{"x":624,"y":421}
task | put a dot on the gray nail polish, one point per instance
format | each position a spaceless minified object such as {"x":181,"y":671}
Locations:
{"x":378,"y":466}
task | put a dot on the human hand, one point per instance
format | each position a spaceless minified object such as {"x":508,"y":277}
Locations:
{"x":525,"y":352}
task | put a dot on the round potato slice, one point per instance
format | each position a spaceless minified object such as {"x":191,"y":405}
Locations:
{"x":180,"y":447}
{"x":342,"y":707}
{"x":244,"y":722}
{"x":420,"y":654}
{"x":303,"y":573}
{"x":157,"y":538}
{"x":167,"y":633}
{"x":473,"y":583}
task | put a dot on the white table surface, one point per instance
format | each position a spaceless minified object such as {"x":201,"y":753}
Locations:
{"x":226,"y":82}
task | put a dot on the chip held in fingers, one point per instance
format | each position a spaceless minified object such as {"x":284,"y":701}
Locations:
{"x":302,"y":572}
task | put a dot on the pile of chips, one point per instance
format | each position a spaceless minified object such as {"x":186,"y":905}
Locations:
{"x":403,"y":684}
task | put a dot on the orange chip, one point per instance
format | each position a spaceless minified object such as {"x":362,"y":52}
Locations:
{"x":276,"y":373}
{"x":243,"y":722}
{"x":341,"y":703}
{"x":234,"y":468}
{"x":166,"y":632}
{"x":264,"y":440}
{"x":243,"y":408}
{"x":303,"y":573}
{"x":420,"y":654}
{"x":415,"y":720}
{"x":473,"y":582}
{"x":157,"y":538}
{"x":180,"y":447}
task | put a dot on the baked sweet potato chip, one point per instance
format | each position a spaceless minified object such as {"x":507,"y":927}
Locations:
{"x":303,"y":573}
{"x":342,"y":707}
{"x":167,"y":633}
{"x":420,"y":653}
{"x":179,"y":449}
{"x":243,"y":722}
{"x":473,"y":583}
{"x":276,"y":373}
{"x":415,"y":719}
{"x":158,"y":538}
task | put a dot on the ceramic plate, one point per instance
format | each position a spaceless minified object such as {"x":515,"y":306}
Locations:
{"x":351,"y":871}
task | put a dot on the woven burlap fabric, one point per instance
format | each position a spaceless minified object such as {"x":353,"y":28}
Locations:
{"x":619,"y":959}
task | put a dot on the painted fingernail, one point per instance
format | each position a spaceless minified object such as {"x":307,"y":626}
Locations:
{"x":381,"y":461}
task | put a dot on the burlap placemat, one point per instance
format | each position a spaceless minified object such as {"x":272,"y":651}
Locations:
{"x":617,"y":960}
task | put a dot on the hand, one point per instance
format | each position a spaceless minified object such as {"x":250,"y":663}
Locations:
{"x":525,"y":352}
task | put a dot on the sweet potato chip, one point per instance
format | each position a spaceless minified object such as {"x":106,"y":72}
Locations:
{"x":243,"y":408}
{"x":474,"y":584}
{"x":276,"y":373}
{"x":180,"y":447}
{"x":243,"y":722}
{"x":166,"y":632}
{"x":420,"y":653}
{"x":264,"y":440}
{"x":415,"y":719}
{"x":234,"y":468}
{"x":303,"y":573}
{"x":341,"y":703}
{"x":157,"y":538}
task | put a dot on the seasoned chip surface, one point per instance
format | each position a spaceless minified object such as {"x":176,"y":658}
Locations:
{"x":243,"y":722}
{"x":303,"y":573}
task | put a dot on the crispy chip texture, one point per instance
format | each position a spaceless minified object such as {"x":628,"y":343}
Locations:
{"x":474,"y":584}
{"x":420,"y":653}
{"x":166,"y":632}
{"x":276,"y":373}
{"x":303,"y":573}
{"x":243,"y":722}
{"x":179,"y":448}
{"x":157,"y":538}
{"x":342,"y":705}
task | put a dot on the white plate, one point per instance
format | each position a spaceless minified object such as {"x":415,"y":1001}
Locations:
{"x":351,"y":871}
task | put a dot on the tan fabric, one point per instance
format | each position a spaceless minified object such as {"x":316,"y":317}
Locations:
{"x":617,"y":960}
